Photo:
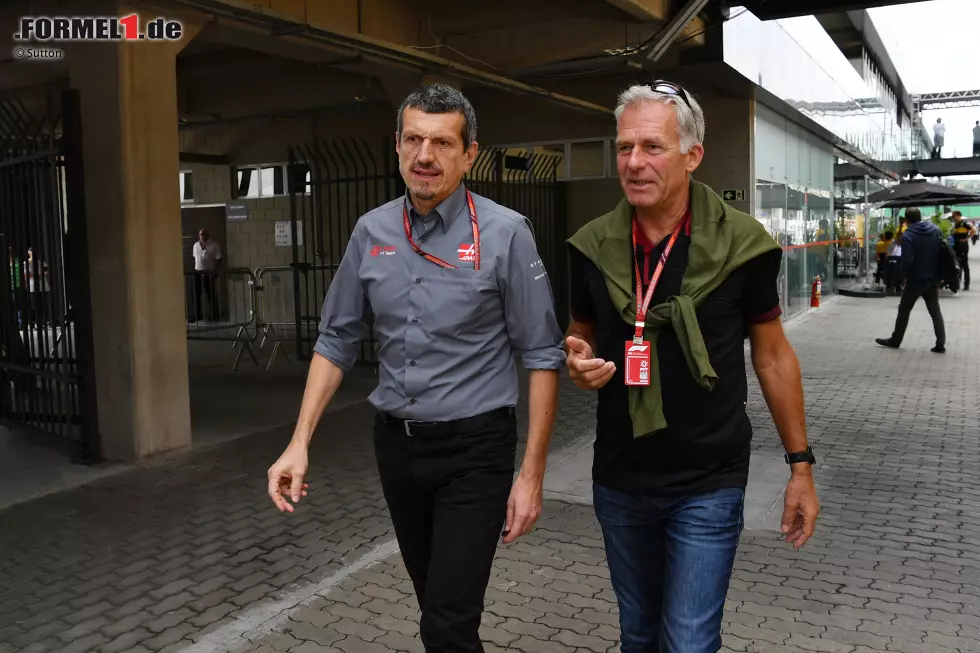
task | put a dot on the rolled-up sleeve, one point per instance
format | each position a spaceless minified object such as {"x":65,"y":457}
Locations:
{"x":529,"y":305}
{"x":342,"y":320}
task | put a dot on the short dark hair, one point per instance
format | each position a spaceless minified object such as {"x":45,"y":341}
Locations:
{"x":913,"y":215}
{"x":957,"y":214}
{"x":441,"y":98}
{"x":889,"y":235}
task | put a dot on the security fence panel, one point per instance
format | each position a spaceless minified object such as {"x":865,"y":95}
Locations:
{"x":332,"y":185}
{"x":46,"y":367}
{"x":527,"y":183}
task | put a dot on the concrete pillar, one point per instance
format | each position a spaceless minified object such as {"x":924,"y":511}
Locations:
{"x":128,"y":95}
{"x":729,"y":154}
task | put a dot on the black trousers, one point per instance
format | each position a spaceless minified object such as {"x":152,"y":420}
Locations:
{"x":963,"y":255}
{"x":447,"y":492}
{"x":204,"y":284}
{"x":911,"y":294}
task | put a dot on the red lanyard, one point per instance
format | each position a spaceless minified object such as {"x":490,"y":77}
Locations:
{"x":641,"y":309}
{"x":435,"y":259}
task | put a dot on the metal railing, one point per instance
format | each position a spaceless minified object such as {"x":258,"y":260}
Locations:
{"x":276,"y":302}
{"x":220,"y":307}
{"x":47,"y":379}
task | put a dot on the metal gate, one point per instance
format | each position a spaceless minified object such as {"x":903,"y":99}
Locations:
{"x":46,"y":369}
{"x":333,"y":183}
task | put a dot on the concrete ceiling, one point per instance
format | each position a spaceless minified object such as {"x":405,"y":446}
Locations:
{"x":241,"y":67}
{"x":448,"y":18}
{"x":512,"y":34}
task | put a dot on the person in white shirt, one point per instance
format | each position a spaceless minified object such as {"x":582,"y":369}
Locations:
{"x":207,"y":263}
{"x":939,"y":136}
{"x":976,"y":139}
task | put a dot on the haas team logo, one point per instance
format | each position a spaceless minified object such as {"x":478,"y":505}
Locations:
{"x":383,"y":250}
{"x":467,"y":252}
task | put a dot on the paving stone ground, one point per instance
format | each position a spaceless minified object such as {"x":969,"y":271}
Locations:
{"x":154,"y":558}
{"x":183,"y":550}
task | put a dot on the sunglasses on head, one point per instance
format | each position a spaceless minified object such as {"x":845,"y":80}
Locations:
{"x":670,"y":88}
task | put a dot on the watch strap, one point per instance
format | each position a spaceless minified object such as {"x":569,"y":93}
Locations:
{"x":801,"y":457}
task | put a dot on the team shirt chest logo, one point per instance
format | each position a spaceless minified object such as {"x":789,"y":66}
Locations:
{"x":466,"y":252}
{"x":383,"y":250}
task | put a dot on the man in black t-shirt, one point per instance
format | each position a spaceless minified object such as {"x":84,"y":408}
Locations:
{"x":673,"y":438}
{"x":962,"y":231}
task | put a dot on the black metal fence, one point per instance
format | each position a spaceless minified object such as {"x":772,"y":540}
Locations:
{"x":527,"y":183}
{"x":46,"y":378}
{"x":332,"y":184}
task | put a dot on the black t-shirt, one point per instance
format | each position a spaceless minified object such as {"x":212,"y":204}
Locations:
{"x":706,"y":444}
{"x":961,"y":237}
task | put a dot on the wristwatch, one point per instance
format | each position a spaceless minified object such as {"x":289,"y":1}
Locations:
{"x":801,"y":457}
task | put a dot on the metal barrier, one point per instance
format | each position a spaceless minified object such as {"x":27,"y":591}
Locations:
{"x":276,"y":313}
{"x":221,"y":307}
{"x":276,"y":293}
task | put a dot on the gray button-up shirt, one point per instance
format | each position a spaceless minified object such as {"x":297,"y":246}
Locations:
{"x":448,"y":338}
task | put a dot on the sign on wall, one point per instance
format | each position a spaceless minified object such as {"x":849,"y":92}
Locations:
{"x":236,"y":211}
{"x":284,"y":233}
{"x":733,"y":195}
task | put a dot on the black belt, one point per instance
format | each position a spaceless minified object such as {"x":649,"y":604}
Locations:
{"x":413,"y":427}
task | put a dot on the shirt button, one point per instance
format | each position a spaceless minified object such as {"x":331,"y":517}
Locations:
{"x":412,"y":363}
{"x":419,"y":280}
{"x":411,"y":401}
{"x":422,"y":239}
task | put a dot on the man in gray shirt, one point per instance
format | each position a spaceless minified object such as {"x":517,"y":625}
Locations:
{"x":976,"y":139}
{"x":457,"y":290}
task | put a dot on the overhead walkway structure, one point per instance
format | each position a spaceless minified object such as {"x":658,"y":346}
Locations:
{"x":920,"y":163}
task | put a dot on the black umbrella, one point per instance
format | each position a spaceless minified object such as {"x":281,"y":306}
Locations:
{"x":917,"y":192}
{"x":924,"y":201}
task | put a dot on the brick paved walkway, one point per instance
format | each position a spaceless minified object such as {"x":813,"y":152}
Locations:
{"x":186,"y":555}
{"x":152,"y":558}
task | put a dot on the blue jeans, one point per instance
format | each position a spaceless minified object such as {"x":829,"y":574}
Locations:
{"x":670,"y":560}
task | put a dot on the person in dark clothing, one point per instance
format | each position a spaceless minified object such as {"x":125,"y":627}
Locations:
{"x":921,"y":244}
{"x":962,"y":232}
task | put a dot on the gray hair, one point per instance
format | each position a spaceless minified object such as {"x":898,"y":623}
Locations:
{"x":441,"y":98}
{"x":690,"y":119}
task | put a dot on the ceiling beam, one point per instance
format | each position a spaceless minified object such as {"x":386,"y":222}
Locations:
{"x":678,"y":23}
{"x":645,"y":10}
{"x":776,"y":9}
{"x":209,"y":159}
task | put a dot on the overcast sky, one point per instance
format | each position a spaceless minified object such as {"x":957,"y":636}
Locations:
{"x":936,"y":47}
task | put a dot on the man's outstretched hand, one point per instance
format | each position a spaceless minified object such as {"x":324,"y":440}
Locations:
{"x":587,"y":371}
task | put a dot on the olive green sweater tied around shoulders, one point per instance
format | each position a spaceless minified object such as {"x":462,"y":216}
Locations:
{"x":722,"y":239}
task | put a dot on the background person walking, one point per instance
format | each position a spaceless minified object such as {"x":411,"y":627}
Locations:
{"x":921,"y":245}
{"x":962,"y":232}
